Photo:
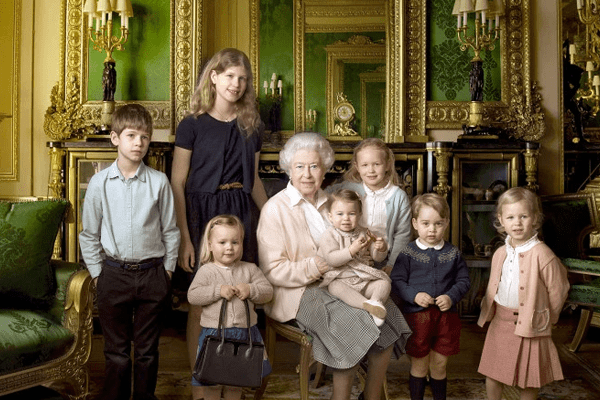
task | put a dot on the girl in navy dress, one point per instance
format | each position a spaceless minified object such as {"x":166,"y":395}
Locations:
{"x":215,"y":165}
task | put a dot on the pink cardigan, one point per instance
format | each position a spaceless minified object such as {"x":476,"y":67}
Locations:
{"x":286,"y":253}
{"x":543,"y":289}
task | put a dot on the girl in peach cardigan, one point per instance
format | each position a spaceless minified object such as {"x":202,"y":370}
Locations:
{"x":527,"y":289}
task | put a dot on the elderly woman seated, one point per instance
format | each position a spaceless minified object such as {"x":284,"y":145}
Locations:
{"x":289,"y":229}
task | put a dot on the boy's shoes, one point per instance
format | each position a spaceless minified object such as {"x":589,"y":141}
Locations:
{"x":377,"y":311}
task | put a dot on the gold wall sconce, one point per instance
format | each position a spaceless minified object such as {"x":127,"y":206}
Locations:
{"x":100,"y":13}
{"x":483,"y":37}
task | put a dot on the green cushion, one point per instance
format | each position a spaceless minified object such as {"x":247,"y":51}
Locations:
{"x":576,"y":264}
{"x":29,"y":338}
{"x":27,"y":234}
{"x":588,"y":292}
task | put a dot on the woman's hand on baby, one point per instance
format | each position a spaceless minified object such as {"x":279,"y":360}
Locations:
{"x":424,"y":300}
{"x":322,"y":265}
{"x":228,"y":291}
{"x":243,"y":291}
{"x":444,"y":302}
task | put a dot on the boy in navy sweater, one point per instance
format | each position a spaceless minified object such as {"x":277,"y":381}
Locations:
{"x":431,"y":277}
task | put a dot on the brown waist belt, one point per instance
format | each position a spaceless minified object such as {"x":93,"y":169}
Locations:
{"x":229,"y":186}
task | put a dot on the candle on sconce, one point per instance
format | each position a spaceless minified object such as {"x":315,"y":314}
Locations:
{"x":465,"y":18}
{"x":596,"y":84}
{"x":103,"y":18}
{"x":272,"y":86}
{"x":266,"y":86}
{"x":497,"y":21}
{"x":90,"y":20}
{"x":589,"y":66}
{"x":280,"y":87}
{"x":458,"y":21}
{"x":483,"y":17}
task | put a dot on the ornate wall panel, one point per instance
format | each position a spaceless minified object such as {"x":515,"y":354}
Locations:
{"x":9,"y":79}
{"x":185,"y":52}
{"x":516,"y":85}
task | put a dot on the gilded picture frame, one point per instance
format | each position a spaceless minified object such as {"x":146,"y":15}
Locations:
{"x":408,"y":112}
{"x":185,"y":58}
{"x":516,"y":84}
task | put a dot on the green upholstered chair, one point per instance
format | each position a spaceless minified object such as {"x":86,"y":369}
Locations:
{"x":45,"y":305}
{"x":569,"y":219}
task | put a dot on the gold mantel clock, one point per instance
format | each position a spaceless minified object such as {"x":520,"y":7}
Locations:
{"x":344,"y":113}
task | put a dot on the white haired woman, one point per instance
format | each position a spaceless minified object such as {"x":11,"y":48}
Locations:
{"x":289,"y":229}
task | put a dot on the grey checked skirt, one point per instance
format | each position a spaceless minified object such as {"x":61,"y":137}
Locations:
{"x":342,"y":335}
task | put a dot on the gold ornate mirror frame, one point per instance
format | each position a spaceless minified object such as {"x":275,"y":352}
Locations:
{"x":185,"y":53}
{"x":358,"y":49}
{"x":516,"y":86}
{"x":409,"y":114}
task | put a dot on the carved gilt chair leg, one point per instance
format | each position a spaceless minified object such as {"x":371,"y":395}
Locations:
{"x":582,"y":328}
{"x":270,"y":335}
{"x":304,"y":369}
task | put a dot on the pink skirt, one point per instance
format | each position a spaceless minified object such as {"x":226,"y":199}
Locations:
{"x":514,"y":360}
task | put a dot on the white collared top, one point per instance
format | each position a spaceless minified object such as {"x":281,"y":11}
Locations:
{"x":374,"y":214}
{"x":317,"y":224}
{"x":508,"y":287}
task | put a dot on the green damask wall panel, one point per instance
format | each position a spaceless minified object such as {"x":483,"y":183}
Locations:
{"x":143,"y":68}
{"x":277,"y":55}
{"x":447,"y":66}
{"x":315,"y":66}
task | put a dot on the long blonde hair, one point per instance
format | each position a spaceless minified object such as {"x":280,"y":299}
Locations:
{"x":203,"y":99}
{"x":352,"y":174}
{"x":206,"y":255}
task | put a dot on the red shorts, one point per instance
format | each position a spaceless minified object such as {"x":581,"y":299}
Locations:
{"x":433,"y":330}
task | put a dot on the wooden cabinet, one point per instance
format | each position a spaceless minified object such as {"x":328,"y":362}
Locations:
{"x":72,"y":166}
{"x":472,"y":176}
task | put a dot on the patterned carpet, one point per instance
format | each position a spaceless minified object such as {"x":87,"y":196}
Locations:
{"x":581,"y":369}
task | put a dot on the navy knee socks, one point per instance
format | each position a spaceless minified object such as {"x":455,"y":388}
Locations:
{"x":438,"y":388}
{"x":416,"y":387}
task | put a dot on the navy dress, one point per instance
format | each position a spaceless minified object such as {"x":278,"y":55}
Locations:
{"x":221,"y":154}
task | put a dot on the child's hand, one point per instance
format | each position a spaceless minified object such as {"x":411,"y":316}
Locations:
{"x":388,"y":269}
{"x":361,"y":243}
{"x":424,"y":300}
{"x":243,"y":291}
{"x":228,"y":291}
{"x":380,"y":245}
{"x":444,"y":302}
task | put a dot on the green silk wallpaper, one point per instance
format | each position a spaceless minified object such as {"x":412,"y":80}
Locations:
{"x":143,"y":67}
{"x":447,"y":66}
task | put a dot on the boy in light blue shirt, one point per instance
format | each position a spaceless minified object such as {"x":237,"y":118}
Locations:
{"x":129,"y":243}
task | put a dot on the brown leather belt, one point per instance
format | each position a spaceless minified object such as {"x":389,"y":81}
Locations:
{"x":229,"y":186}
{"x":134,"y":266}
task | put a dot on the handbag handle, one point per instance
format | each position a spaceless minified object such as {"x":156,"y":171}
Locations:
{"x":221,"y":328}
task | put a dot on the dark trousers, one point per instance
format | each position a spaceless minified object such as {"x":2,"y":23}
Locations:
{"x":130,"y":307}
